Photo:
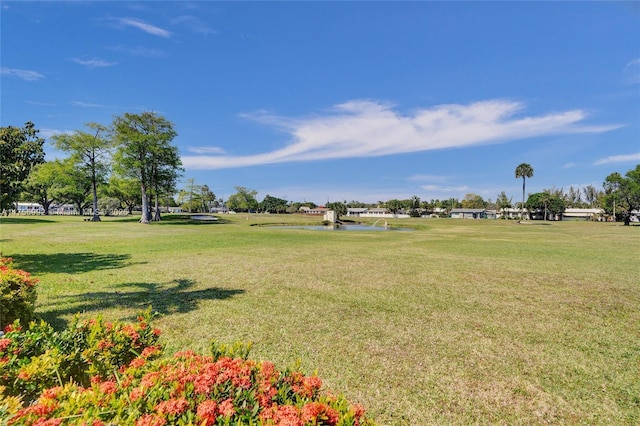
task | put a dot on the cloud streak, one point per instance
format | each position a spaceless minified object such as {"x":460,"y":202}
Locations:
{"x":147,"y":28}
{"x":27,"y":75}
{"x":94,"y":62}
{"x":632,"y":70}
{"x":624,"y":158}
{"x":365,"y":128}
{"x":87,"y":104}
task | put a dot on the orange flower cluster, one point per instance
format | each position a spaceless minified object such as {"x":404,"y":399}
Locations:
{"x":114,"y":374}
{"x":195,"y":389}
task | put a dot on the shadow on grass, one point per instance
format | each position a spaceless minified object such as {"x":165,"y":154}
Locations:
{"x":177,"y":296}
{"x":23,"y":220}
{"x":70,"y":263}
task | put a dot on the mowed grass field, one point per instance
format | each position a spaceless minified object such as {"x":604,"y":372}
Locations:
{"x":456,"y":322}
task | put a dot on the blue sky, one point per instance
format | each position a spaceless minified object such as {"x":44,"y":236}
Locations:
{"x":337,"y":101}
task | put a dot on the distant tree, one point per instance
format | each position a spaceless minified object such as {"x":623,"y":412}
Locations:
{"x":624,"y":191}
{"x":549,"y":205}
{"x":166,"y":168}
{"x":108,"y":204}
{"x":90,"y":151}
{"x":353,"y":204}
{"x":413,"y":206}
{"x":393,"y":205}
{"x":450,"y":204}
{"x":207,"y":197}
{"x":127,"y":191}
{"x":294,"y":207}
{"x":243,"y":201}
{"x":144,"y":153}
{"x":273,"y":205}
{"x":473,"y":201}
{"x":20,"y":150}
{"x":503,"y":202}
{"x":339,"y":207}
{"x":189,"y":196}
{"x":573,"y":198}
{"x":524,"y":171}
{"x":75,"y":185}
{"x":591,"y":195}
{"x":43,"y":184}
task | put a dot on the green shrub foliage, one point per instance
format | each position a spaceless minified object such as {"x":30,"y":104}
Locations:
{"x":17,"y":293}
{"x":107,"y":373}
{"x":100,"y":373}
{"x":39,"y":357}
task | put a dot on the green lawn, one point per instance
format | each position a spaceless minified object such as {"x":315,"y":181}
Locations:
{"x":457,"y":322}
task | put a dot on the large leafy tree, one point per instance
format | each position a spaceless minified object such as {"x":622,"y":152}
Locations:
{"x":243,"y":201}
{"x":624,"y":191}
{"x":523,"y":171}
{"x":144,"y":152}
{"x":89,"y":151}
{"x":20,"y":150}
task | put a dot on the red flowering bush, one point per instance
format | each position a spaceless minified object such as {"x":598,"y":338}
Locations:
{"x":17,"y":293}
{"x":39,"y":357}
{"x":101,"y":373}
{"x":191,"y":389}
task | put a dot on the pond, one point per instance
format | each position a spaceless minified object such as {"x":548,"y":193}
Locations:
{"x":203,"y":217}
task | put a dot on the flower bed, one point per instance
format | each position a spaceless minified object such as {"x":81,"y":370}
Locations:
{"x":99,"y":373}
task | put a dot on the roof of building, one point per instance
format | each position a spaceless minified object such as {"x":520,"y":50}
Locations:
{"x":468,"y":210}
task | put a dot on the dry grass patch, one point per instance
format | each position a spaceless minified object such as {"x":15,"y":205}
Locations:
{"x":457,"y":322}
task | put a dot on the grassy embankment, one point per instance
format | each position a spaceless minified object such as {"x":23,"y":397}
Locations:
{"x":457,"y":322}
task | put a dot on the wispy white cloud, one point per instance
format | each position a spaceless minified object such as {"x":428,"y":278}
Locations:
{"x":138,"y":51}
{"x":365,"y":128}
{"x":37,"y":103}
{"x":23,"y":74}
{"x":87,"y":104}
{"x":206,"y":150}
{"x":632,"y":71}
{"x":147,"y":28}
{"x":624,"y":158}
{"x":94,"y":62}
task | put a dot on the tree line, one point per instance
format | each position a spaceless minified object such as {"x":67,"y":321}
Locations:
{"x":132,"y":162}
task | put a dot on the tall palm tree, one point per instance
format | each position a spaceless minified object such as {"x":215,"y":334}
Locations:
{"x":523,"y":171}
